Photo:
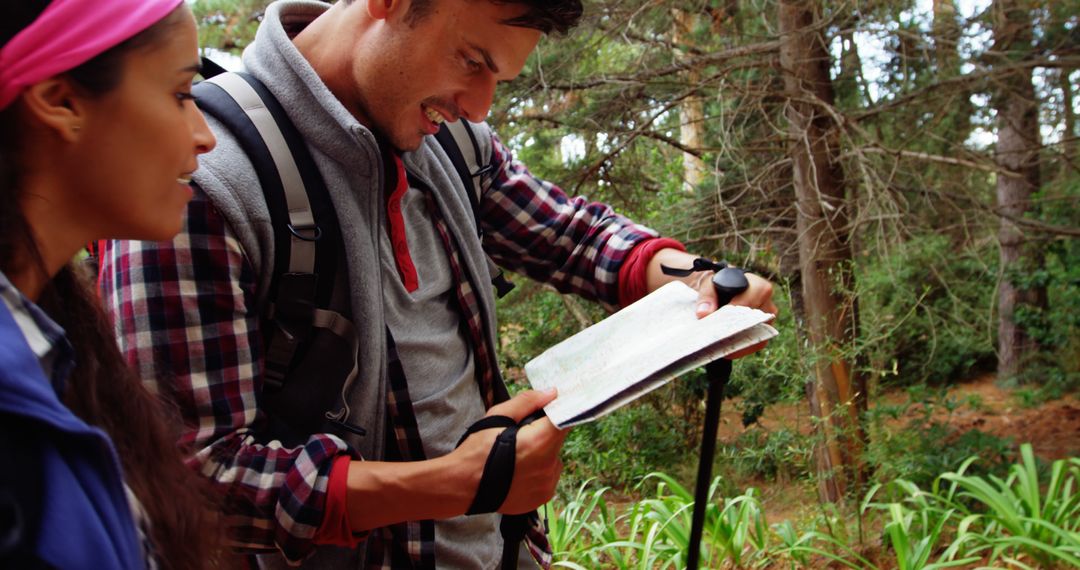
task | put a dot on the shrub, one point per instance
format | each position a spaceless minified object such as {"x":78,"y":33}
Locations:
{"x":926,"y":446}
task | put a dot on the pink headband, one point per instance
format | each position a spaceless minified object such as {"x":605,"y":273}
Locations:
{"x":70,"y":33}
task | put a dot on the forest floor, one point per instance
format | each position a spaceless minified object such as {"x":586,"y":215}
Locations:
{"x":1052,"y":428}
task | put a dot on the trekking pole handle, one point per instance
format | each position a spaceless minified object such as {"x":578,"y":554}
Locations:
{"x":729,"y":282}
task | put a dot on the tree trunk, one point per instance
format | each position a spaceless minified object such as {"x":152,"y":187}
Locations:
{"x":850,"y":86}
{"x":946,"y":32}
{"x":1018,"y":147}
{"x":692,"y":109}
{"x":1069,"y":115}
{"x":955,"y":126}
{"x":837,"y":394}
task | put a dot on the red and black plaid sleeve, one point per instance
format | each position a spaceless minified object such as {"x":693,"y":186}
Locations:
{"x":185,"y":318}
{"x":532,"y":226}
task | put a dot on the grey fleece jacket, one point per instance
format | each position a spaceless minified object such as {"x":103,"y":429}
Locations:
{"x":348,"y":157}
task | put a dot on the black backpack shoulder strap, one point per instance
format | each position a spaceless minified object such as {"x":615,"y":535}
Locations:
{"x":209,"y":68}
{"x":306,"y":232}
{"x":459,"y":142}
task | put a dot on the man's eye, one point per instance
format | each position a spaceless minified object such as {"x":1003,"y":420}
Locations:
{"x":185,"y":96}
{"x":473,"y":65}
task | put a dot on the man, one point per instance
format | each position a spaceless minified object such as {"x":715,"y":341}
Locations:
{"x":367,"y":82}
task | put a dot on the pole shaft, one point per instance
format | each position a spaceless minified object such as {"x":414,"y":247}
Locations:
{"x":717,"y":374}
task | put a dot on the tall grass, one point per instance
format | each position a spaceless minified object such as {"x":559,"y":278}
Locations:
{"x":1018,"y":518}
{"x":655,"y":532}
{"x":1022,"y":521}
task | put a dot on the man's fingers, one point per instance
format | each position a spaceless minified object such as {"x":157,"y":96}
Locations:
{"x":519,"y":407}
{"x":758,"y":295}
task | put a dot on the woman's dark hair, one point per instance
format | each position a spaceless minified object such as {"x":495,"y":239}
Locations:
{"x":102,"y":389}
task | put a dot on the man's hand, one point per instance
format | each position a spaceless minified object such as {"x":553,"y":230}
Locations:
{"x":757,"y":296}
{"x":538,"y":467}
{"x":382,"y":493}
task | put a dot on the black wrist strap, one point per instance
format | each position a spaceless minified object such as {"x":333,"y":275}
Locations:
{"x":700,"y":264}
{"x":499,"y":469}
{"x":498,"y":472}
{"x":496,"y":479}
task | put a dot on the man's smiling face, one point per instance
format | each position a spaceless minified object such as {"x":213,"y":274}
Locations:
{"x":443,"y":67}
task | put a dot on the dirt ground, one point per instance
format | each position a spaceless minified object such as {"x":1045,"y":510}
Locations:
{"x":1053,"y":429}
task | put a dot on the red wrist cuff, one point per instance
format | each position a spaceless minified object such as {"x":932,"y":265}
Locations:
{"x":335,"y":529}
{"x":633,"y":274}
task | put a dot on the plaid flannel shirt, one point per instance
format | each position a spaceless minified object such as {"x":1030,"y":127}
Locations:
{"x":186,"y":318}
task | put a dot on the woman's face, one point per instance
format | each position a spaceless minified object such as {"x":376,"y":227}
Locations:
{"x":138,"y":145}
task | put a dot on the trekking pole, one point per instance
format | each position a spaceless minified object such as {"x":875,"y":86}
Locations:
{"x":728,"y":282}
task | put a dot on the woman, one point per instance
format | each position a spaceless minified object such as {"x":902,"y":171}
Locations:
{"x":98,"y":138}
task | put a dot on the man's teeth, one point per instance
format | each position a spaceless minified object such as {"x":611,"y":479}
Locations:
{"x":433,"y":115}
{"x":184,"y":179}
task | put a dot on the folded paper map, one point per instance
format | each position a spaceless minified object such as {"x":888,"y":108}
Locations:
{"x":639,"y":349}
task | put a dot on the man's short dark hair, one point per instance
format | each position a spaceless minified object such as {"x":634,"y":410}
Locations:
{"x":545,"y":15}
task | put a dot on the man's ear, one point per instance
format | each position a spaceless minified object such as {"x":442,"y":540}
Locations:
{"x":383,"y":9}
{"x":55,"y":104}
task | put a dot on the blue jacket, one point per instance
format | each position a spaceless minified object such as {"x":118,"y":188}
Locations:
{"x":61,"y":475}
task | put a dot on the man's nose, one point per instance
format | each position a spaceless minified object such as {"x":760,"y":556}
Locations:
{"x":475,"y":101}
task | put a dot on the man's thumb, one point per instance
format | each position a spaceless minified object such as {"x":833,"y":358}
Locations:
{"x":525,"y":403}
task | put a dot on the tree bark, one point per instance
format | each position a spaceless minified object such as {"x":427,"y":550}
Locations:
{"x":837,"y":393}
{"x":1018,"y":148}
{"x":850,"y":85}
{"x":1069,"y":115}
{"x":692,"y":109}
{"x":955,"y":125}
{"x":946,"y":32}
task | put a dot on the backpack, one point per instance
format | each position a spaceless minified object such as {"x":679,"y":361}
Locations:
{"x":307,"y":240}
{"x":307,"y":255}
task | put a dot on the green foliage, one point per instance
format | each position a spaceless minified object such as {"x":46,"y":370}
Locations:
{"x":778,"y":373}
{"x":925,"y":311}
{"x":782,"y":454}
{"x":574,"y":528}
{"x":1056,"y":328}
{"x":228,"y":25}
{"x":928,"y":444}
{"x":532,"y":319}
{"x":626,"y":445}
{"x":915,"y":528}
{"x":655,"y":532}
{"x":1024,"y":520}
{"x":1019,"y":515}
